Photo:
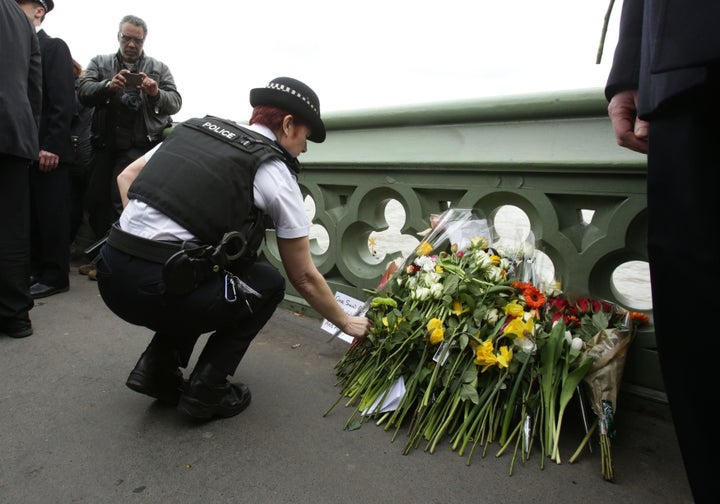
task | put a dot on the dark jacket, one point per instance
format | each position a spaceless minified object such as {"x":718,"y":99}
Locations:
{"x":80,"y":129}
{"x":665,"y":48}
{"x":21,"y":83}
{"x":156,"y":113}
{"x":58,"y":103}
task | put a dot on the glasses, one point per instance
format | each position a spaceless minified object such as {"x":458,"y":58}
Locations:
{"x":128,"y":38}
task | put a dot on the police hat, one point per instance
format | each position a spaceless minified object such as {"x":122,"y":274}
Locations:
{"x":48,"y":5}
{"x":295,"y":97}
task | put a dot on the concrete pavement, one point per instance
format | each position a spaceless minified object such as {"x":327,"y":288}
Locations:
{"x":70,"y":431}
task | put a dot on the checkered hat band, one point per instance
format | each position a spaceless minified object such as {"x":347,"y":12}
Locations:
{"x":288,"y":89}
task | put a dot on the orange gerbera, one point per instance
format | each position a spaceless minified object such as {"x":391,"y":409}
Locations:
{"x":533,"y":297}
{"x":521,"y":285}
{"x":639,"y":318}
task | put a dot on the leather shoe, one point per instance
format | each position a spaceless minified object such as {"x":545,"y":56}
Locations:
{"x":39,"y":290}
{"x":157,"y":375}
{"x":208,"y":394}
{"x":85,"y":269}
{"x":17,"y":328}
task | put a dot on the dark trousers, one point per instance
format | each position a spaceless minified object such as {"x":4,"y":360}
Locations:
{"x":50,"y":225}
{"x":15,"y":300}
{"x":133,"y":289}
{"x":683,"y":185}
{"x":103,"y":202}
{"x":79,"y":177}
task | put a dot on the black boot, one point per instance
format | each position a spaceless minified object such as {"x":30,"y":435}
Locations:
{"x":209,"y":394}
{"x":157,"y":374}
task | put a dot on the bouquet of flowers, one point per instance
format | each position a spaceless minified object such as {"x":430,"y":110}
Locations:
{"x":464,"y":347}
{"x":608,"y":348}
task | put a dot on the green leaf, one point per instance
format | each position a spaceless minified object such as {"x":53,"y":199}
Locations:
{"x":470,"y":375}
{"x":450,"y":285}
{"x":463,"y":341}
{"x":354,"y":424}
{"x":601,"y":320}
{"x":469,"y":392}
{"x":573,"y":379}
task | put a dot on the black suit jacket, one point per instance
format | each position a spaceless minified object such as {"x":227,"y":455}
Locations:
{"x":20,"y":84}
{"x":58,"y":105}
{"x":664,"y":48}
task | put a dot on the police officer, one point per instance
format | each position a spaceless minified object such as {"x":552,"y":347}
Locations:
{"x":182,"y":258}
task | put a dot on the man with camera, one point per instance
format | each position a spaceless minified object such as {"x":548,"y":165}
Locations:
{"x":134,"y":96}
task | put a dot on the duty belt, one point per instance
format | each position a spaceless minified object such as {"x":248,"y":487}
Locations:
{"x":151,"y":250}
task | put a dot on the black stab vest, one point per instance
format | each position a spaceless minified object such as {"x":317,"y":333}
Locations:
{"x":202,"y":178}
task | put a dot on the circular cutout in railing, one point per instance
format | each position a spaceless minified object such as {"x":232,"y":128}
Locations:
{"x":391,"y":240}
{"x":630,"y":283}
{"x":545,"y":276}
{"x":319,"y":237}
{"x":510,"y":222}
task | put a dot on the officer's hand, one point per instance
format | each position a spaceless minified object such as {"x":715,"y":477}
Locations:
{"x":357,"y":327}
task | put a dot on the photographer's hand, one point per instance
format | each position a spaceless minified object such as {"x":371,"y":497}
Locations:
{"x":117,"y":82}
{"x":149,"y":86}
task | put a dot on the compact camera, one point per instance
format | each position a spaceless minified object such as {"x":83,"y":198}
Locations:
{"x":133,"y":79}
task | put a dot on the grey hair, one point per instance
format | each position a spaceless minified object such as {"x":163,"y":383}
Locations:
{"x":134,"y":20}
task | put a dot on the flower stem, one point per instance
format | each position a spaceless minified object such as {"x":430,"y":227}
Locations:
{"x":584,"y":442}
{"x":509,"y":439}
{"x":608,"y":472}
{"x":509,"y":407}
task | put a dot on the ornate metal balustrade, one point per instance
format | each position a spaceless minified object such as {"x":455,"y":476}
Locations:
{"x":552,"y":156}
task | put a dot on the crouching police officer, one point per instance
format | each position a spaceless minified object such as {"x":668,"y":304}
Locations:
{"x":182,"y":258}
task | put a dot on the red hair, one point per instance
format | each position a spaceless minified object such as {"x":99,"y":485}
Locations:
{"x":272,"y":117}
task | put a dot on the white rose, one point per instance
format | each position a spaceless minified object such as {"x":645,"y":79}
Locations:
{"x":436,"y":291}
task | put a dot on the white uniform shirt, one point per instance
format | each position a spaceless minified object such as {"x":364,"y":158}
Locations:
{"x":275,"y":191}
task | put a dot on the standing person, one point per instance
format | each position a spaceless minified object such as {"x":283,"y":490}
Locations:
{"x":182,"y":259}
{"x":129,"y":117}
{"x":20,"y":107}
{"x":80,"y":163}
{"x":49,"y":177}
{"x":664,"y":93}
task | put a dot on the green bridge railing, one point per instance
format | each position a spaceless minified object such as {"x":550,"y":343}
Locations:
{"x":551,"y":158}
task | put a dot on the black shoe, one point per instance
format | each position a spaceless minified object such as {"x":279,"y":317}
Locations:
{"x":38,"y":290}
{"x":17,"y":328}
{"x":157,"y":375}
{"x":209,"y":394}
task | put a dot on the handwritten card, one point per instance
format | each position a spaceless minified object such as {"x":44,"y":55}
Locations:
{"x":352,"y":306}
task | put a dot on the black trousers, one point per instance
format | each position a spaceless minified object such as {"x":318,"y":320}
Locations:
{"x":133,"y":289}
{"x":15,"y":300}
{"x":102,"y":198}
{"x":79,"y":176}
{"x":682,"y":192}
{"x":50,"y":225}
